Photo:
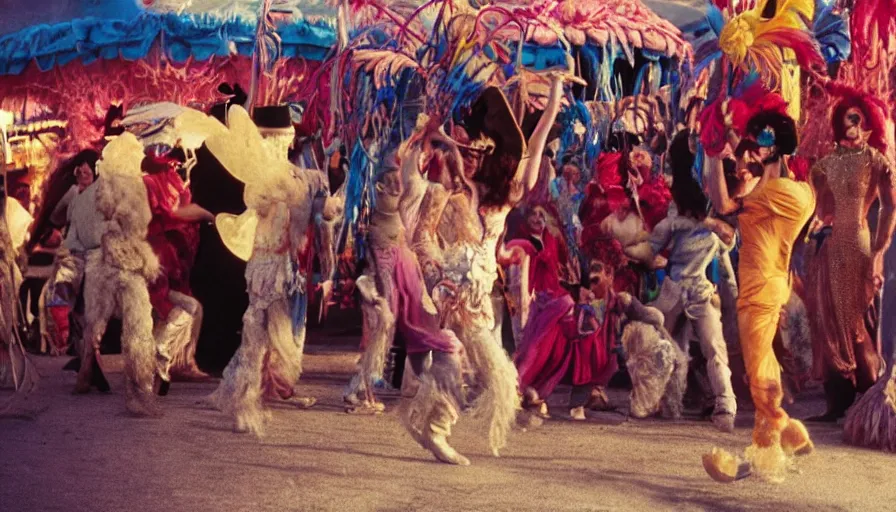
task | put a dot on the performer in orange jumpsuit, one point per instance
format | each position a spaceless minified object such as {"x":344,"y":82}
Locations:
{"x":771,"y":219}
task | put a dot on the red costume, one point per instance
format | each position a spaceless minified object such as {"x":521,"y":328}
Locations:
{"x":174,"y":241}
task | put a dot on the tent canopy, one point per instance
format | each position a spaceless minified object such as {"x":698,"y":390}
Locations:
{"x":111,"y":29}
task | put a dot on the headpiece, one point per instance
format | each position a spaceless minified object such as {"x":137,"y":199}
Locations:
{"x":754,"y":40}
{"x":273,"y":120}
{"x":608,"y":251}
{"x":772,"y":128}
{"x":735,"y":114}
{"x":873,"y":110}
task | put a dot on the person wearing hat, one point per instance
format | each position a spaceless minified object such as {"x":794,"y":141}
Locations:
{"x":77,"y":213}
{"x":314,"y":212}
{"x":771,"y":218}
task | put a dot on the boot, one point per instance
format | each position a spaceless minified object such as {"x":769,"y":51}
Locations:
{"x":840,"y":393}
{"x":795,"y":439}
{"x":436,"y":432}
{"x":724,"y":421}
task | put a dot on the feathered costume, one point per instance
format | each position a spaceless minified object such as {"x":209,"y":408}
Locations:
{"x":760,"y":43}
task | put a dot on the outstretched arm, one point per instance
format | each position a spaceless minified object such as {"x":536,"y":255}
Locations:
{"x":527,"y":174}
{"x":193,"y":213}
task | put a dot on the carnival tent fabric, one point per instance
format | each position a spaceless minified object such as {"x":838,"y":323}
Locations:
{"x":179,"y":36}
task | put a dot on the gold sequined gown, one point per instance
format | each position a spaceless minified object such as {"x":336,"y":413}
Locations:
{"x":839,"y":293}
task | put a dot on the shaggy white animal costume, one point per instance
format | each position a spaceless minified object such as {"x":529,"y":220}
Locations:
{"x":657,"y":366}
{"x":117,"y":277}
{"x":275,"y":196}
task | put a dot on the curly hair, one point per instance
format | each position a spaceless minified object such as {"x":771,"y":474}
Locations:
{"x":784,"y":127}
{"x":873,"y":111}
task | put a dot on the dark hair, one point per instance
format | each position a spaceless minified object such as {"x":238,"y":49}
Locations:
{"x":786,"y":137}
{"x":686,"y":191}
{"x":87,"y":156}
{"x":496,"y":173}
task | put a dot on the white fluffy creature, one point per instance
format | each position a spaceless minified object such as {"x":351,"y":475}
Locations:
{"x":657,"y":366}
{"x":116,"y":279}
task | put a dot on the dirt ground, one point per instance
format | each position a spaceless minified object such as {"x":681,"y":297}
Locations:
{"x":73,"y":453}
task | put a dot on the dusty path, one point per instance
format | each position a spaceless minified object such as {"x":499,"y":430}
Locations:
{"x":73,"y":453}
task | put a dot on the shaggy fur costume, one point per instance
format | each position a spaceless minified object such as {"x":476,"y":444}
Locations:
{"x":116,"y":279}
{"x":657,"y":366}
{"x":379,"y":327}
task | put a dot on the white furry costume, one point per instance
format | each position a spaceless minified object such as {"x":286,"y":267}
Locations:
{"x":457,"y":247}
{"x":116,"y":278}
{"x":177,"y":336}
{"x":657,"y":366}
{"x":275,"y":196}
{"x":16,"y":369}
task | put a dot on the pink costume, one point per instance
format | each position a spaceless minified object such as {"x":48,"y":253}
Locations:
{"x":407,"y":298}
{"x":553,"y":351}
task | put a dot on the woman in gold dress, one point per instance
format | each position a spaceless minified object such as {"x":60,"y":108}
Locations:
{"x":845,"y":270}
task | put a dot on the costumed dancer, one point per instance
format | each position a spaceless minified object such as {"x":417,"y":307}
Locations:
{"x":771,"y":218}
{"x":687,"y":297}
{"x":174,"y":236}
{"x":433,"y":352}
{"x":313,"y":215}
{"x":76,"y":213}
{"x":260,"y":236}
{"x":471,"y":264}
{"x":845,"y":270}
{"x":116,"y":279}
{"x":217,"y":278}
{"x":16,"y":369}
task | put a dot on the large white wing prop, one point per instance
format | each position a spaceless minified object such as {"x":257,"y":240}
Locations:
{"x":238,"y":232}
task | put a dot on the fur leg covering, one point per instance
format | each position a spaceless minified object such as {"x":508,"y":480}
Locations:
{"x":496,"y":376}
{"x":769,"y":462}
{"x":430,"y":414}
{"x":379,"y":327}
{"x":138,"y":344}
{"x":658,"y":370}
{"x":178,"y":335}
{"x":871,"y":423}
{"x":239,"y":394}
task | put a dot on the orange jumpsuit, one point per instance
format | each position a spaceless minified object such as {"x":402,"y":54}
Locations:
{"x":770,"y":223}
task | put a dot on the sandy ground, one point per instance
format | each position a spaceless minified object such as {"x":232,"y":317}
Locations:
{"x":72,"y":453}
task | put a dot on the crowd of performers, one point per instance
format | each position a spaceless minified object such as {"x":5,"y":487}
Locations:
{"x":695,"y":254}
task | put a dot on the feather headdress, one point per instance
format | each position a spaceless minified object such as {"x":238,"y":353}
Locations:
{"x":872,"y":23}
{"x":735,"y":113}
{"x":755,"y":39}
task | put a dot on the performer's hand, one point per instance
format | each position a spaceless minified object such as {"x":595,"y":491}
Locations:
{"x":326,"y":288}
{"x":659,"y":261}
{"x":817,"y":225}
